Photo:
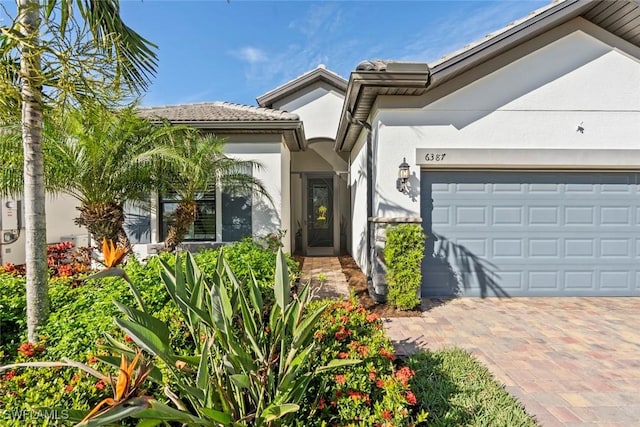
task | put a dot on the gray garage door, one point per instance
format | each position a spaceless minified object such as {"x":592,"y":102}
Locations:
{"x":531,"y":233}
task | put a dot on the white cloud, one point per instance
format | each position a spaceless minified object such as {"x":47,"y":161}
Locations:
{"x":250,"y":54}
{"x":454,"y":31}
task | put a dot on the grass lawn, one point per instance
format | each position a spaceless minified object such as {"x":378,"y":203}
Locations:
{"x":457,"y":390}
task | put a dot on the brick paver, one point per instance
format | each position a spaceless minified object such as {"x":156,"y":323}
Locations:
{"x":334,"y":285}
{"x":570,"y":361}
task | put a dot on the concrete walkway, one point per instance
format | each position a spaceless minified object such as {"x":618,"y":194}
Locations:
{"x":570,"y":361}
{"x":325,"y":274}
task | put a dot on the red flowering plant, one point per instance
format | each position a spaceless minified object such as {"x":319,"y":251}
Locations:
{"x":64,"y":260}
{"x":372,"y":393}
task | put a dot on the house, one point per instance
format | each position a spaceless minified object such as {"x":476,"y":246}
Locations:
{"x":522,"y":152}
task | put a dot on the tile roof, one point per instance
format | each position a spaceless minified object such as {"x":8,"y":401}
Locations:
{"x":217,"y":112}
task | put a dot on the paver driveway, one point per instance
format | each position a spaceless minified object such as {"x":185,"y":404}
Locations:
{"x":570,"y":361}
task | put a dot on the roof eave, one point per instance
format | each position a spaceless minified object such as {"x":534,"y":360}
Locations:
{"x":292,"y":130}
{"x":356,"y":109}
{"x":319,"y":74}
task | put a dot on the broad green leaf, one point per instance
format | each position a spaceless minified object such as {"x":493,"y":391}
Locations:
{"x":202,"y":315}
{"x":273,"y":412}
{"x":281,"y":285}
{"x":303,"y":332}
{"x":160,"y":411}
{"x":337,"y":363}
{"x":147,"y":340}
{"x":225,"y":303}
{"x":291,"y":375}
{"x":149,"y":423}
{"x":116,"y":414}
{"x":203,"y":367}
{"x":254,"y":293}
{"x":121,"y":348}
{"x":151,"y":323}
{"x":241,"y":380}
{"x":217,"y":416}
{"x":181,"y":290}
{"x":248,"y":320}
{"x":242,"y":358}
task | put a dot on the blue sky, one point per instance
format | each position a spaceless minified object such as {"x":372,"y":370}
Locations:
{"x":235,"y":51}
{"x":214,"y":50}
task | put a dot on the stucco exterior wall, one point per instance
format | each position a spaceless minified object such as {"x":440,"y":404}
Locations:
{"x":585,"y":78}
{"x":60,"y":211}
{"x":318,"y":106}
{"x":358,"y":178}
{"x":267,"y":217}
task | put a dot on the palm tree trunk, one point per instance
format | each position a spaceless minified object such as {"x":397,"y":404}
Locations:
{"x":34,"y":193}
{"x":104,"y":221}
{"x":183,"y":217}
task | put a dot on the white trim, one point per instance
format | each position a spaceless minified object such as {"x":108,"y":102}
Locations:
{"x":527,"y":158}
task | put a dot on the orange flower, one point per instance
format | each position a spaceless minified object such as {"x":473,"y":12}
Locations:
{"x":386,"y":414}
{"x":125,"y":386}
{"x":411,"y":398}
{"x":113,"y":254}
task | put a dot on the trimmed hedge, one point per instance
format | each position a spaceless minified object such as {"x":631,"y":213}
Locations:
{"x":403,"y":253}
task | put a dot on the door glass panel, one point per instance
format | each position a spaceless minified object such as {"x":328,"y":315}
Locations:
{"x":320,"y":212}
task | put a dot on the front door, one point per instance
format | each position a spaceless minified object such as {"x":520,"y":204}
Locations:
{"x":320,"y":216}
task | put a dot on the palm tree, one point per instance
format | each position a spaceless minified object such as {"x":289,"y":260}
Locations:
{"x":195,"y":164}
{"x":61,"y":58}
{"x":102,"y":162}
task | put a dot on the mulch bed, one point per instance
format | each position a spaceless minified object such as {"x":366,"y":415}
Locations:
{"x":358,"y":283}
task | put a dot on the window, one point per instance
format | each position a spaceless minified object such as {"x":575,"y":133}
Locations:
{"x":221,"y":215}
{"x":203,"y":228}
{"x":236,"y":215}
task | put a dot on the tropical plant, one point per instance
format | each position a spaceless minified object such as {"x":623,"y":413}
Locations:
{"x":403,"y":253}
{"x":196,"y":164}
{"x":373,"y":393}
{"x":249,"y":368}
{"x":48,"y":56}
{"x":101,"y":160}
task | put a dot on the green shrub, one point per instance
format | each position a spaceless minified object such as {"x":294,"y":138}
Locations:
{"x":245,"y":369}
{"x":82,"y":312}
{"x":403,"y":253}
{"x":13,"y":303}
{"x":371,"y":393}
{"x":251,"y":253}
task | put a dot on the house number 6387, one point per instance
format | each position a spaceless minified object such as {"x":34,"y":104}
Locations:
{"x":434,"y":157}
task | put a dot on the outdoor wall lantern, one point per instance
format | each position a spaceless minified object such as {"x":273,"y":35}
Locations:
{"x":403,"y":177}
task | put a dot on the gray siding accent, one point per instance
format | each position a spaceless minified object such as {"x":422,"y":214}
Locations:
{"x":531,"y":233}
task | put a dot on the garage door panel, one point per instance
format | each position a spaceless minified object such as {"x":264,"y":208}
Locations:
{"x":544,"y":248}
{"x":615,"y":215}
{"x":579,"y":215}
{"x":507,"y":248}
{"x":531,"y":233}
{"x":507,"y":215}
{"x":579,"y":280}
{"x":579,"y":248}
{"x":615,"y":248}
{"x":615,"y":280}
{"x":470,"y":215}
{"x":545,"y":280}
{"x":544,"y":215}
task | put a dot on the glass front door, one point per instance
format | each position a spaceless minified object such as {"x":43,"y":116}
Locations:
{"x":320,"y":212}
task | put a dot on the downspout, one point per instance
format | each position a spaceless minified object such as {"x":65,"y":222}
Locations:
{"x":370,"y":249}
